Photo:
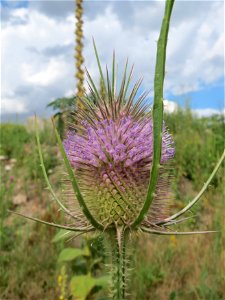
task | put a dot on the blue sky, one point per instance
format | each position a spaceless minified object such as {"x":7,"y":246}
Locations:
{"x":14,"y":4}
{"x":209,"y":96}
{"x":38,"y":43}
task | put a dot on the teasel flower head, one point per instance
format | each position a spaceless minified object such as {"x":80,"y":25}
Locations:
{"x":111,"y":152}
{"x":108,"y":153}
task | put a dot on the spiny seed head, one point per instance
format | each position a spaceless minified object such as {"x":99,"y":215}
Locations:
{"x":111,"y":150}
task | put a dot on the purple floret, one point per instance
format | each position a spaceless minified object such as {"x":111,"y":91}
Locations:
{"x":125,"y":142}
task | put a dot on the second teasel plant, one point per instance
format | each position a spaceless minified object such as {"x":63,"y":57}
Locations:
{"x":116,"y":155}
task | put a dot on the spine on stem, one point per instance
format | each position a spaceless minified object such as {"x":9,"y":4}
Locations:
{"x":118,"y":247}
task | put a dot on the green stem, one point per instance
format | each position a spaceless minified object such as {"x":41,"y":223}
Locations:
{"x":118,"y":243}
{"x":157,"y":110}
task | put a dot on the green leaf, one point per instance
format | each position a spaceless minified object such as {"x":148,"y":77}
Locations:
{"x":69,"y":254}
{"x":102,"y":281}
{"x":62,"y":235}
{"x":65,"y":103}
{"x":81,"y":286}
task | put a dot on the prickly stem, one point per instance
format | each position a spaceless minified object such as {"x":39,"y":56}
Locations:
{"x":118,"y":243}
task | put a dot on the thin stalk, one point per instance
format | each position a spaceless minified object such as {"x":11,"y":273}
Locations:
{"x":157,"y":110}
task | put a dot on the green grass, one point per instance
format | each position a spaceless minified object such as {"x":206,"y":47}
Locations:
{"x":13,"y":140}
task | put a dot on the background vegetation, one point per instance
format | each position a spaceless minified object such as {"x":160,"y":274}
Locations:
{"x":34,"y":263}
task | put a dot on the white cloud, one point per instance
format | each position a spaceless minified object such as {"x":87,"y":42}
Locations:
{"x":11,"y":106}
{"x":37,"y":50}
{"x":21,"y":14}
{"x":31,"y":74}
{"x":170,"y":106}
{"x":207,"y":112}
{"x":196,"y":50}
{"x":69,"y":93}
{"x":44,"y":76}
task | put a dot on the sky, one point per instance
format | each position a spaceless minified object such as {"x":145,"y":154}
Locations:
{"x":37,"y":59}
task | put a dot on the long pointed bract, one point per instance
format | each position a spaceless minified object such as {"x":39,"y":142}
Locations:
{"x":157,"y":111}
{"x":163,"y":232}
{"x":79,"y":229}
{"x":99,"y":65}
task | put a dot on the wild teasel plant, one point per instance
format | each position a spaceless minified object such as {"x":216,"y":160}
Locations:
{"x":116,"y":155}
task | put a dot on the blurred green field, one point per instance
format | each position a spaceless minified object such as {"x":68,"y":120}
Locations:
{"x":34,"y":264}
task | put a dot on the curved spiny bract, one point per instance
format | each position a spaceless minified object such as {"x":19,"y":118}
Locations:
{"x":163,"y":231}
{"x":196,"y":199}
{"x":111,"y":152}
{"x":69,"y":228}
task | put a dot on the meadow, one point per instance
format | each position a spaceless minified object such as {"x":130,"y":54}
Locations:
{"x":39,"y":262}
